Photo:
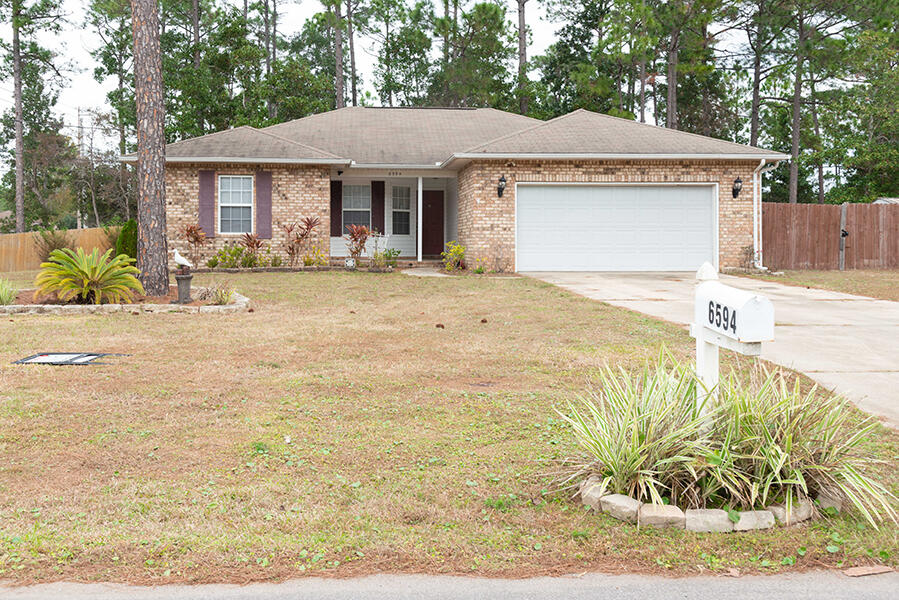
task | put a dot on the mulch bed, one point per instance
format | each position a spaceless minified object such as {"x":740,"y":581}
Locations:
{"x":27,"y":297}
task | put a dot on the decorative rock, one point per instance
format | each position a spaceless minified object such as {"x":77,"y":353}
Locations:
{"x":802,"y":511}
{"x":591,"y":496}
{"x":661,"y":515}
{"x":827,"y":500}
{"x":754,"y":519}
{"x":708,"y":520}
{"x":623,"y":508}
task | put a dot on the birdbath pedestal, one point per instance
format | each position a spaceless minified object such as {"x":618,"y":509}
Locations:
{"x":183,"y":276}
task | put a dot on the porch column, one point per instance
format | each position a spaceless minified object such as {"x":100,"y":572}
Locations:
{"x":418,"y":218}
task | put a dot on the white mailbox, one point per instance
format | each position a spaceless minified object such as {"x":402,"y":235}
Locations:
{"x":730,"y":318}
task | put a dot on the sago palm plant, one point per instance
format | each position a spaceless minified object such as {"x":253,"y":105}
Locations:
{"x":89,"y":278}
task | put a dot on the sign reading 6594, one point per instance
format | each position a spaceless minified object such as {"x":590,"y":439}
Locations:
{"x":722,"y":317}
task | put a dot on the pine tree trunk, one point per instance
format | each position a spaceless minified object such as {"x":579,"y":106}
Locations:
{"x":352,"y":44}
{"x":819,"y":164}
{"x":756,"y":98}
{"x":195,"y":22}
{"x":19,"y":125}
{"x":522,"y":59}
{"x":338,"y":58}
{"x":643,"y":89}
{"x":673,"y":49}
{"x":797,"y":115}
{"x":152,"y":248}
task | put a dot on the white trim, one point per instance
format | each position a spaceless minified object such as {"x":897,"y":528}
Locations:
{"x":611,"y":156}
{"x":418,"y":219}
{"x":712,"y":184}
{"x":246,"y":161}
{"x":218,"y":204}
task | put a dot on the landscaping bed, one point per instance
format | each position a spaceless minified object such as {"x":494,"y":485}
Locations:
{"x":26,"y":302}
{"x":337,"y":431}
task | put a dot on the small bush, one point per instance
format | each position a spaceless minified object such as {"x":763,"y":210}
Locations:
{"x":382,"y":259}
{"x":218,"y":294}
{"x":356,"y":238}
{"x":196,"y":238}
{"x":315,"y":258}
{"x":453,"y":256}
{"x":8,"y":292}
{"x":126,"y":242}
{"x":88,"y":278}
{"x":276,"y":261}
{"x":229,"y":257}
{"x":48,"y":240}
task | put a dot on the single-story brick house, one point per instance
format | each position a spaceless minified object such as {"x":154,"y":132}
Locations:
{"x":583,"y":191}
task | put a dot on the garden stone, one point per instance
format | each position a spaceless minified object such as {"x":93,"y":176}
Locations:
{"x":591,"y":495}
{"x":802,"y":511}
{"x":754,"y":519}
{"x":828,"y":500}
{"x":708,"y":520}
{"x":661,"y":515}
{"x":623,"y":508}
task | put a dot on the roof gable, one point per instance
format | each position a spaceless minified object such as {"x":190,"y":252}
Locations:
{"x":585,"y":133}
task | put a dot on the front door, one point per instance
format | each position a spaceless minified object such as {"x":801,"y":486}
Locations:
{"x":432,"y":222}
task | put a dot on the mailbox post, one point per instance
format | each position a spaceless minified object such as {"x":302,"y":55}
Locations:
{"x":726,"y":317}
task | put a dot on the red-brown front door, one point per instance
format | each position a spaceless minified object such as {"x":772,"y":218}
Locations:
{"x":432,"y":222}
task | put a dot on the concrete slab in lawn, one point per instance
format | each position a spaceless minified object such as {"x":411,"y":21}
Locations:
{"x":846,"y":343}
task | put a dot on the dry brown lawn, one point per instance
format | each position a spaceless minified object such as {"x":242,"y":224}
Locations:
{"x":337,"y":430}
{"x":883,"y":284}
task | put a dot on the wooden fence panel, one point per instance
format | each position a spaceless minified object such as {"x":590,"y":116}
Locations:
{"x":807,"y":236}
{"x":18,"y":251}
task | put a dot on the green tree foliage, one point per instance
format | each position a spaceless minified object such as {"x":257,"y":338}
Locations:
{"x":126,"y":242}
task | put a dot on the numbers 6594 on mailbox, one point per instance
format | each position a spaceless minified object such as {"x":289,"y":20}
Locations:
{"x":734,"y":313}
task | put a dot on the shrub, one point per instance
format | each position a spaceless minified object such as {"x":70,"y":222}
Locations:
{"x":252,"y":243}
{"x":126,"y":243}
{"x":229,"y":257}
{"x":88,"y":278}
{"x":212,"y":262}
{"x":218,"y":294}
{"x":453,"y":256}
{"x":642,"y":434}
{"x":356,"y":237}
{"x":316,"y":257}
{"x":196,"y":238}
{"x":480,"y":267}
{"x":8,"y":292}
{"x":760,"y":443}
{"x":275,"y":261}
{"x":48,"y":240}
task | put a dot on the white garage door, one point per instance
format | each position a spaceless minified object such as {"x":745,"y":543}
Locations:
{"x":615,"y":228}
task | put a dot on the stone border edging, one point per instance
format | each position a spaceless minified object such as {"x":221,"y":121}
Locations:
{"x":709,"y":520}
{"x":240,"y":304}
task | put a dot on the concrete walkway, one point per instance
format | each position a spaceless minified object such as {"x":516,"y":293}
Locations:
{"x":824,"y":585}
{"x":846,"y":343}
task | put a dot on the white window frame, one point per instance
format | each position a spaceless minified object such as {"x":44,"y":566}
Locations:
{"x":343,"y":205}
{"x":219,"y":205}
{"x":394,"y":209}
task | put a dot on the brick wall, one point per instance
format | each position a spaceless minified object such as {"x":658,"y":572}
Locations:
{"x":487,"y":223}
{"x":297,"y":191}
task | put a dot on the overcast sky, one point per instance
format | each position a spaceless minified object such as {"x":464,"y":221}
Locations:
{"x":75,"y":43}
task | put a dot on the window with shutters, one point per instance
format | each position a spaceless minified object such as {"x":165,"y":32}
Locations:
{"x":236,"y":203}
{"x":401,"y":208}
{"x":356,"y":205}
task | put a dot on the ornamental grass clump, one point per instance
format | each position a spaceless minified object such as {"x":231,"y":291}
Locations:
{"x":642,"y":434}
{"x":762,"y":442}
{"x":84,"y":278}
{"x":8,"y":292}
{"x":778,"y":444}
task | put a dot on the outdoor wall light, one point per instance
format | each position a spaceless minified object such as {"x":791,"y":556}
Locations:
{"x":738,"y":185}
{"x":501,"y":186}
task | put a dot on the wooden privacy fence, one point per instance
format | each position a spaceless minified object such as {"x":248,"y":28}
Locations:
{"x":807,"y":236}
{"x":18,"y":251}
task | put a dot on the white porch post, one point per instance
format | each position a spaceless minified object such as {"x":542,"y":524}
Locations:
{"x":418,"y":218}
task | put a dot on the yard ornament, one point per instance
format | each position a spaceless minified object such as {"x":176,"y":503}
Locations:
{"x":181,"y":261}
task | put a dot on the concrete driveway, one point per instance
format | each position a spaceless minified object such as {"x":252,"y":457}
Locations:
{"x":849,"y":344}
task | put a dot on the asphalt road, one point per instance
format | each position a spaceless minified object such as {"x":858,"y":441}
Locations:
{"x":822,"y":585}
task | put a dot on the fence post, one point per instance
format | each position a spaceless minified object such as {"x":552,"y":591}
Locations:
{"x":842,"y":236}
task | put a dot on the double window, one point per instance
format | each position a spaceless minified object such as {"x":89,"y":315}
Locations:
{"x":356,"y":205}
{"x":402,"y":203}
{"x":235,"y":203}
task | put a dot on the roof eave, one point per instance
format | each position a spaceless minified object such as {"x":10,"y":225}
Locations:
{"x":609,"y":156}
{"x":246,"y":161}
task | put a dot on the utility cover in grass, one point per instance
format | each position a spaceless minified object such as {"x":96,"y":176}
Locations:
{"x":63,"y":358}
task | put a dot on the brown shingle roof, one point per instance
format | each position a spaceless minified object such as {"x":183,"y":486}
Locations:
{"x":401,"y":136}
{"x":588,"y":133}
{"x":245,"y":144}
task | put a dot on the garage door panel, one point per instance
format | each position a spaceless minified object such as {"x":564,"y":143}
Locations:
{"x":614,"y":228}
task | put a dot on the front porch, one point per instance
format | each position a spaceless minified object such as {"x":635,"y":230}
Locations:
{"x":416,"y":213}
